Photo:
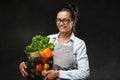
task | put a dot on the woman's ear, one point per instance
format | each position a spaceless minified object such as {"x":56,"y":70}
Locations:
{"x":74,"y":23}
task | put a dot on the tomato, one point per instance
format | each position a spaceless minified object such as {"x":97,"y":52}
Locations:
{"x":38,"y":68}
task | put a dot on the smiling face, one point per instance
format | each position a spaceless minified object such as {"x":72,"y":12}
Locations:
{"x":64,"y":21}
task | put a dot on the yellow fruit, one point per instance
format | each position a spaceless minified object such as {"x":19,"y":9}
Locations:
{"x":43,"y":72}
{"x":46,"y":66}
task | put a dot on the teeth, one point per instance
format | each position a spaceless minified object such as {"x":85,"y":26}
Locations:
{"x":62,"y":27}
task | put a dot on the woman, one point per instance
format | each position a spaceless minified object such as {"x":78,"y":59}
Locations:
{"x":70,"y":57}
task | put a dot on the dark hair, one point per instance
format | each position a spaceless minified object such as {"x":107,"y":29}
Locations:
{"x":73,"y":9}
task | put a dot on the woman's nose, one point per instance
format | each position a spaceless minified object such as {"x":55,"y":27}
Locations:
{"x":61,"y":23}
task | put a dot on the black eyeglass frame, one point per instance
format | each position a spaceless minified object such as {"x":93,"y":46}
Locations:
{"x":64,"y":20}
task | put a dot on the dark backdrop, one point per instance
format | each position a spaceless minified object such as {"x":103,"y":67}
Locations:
{"x":98,"y":26}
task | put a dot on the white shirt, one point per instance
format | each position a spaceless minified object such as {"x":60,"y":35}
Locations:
{"x":80,"y":58}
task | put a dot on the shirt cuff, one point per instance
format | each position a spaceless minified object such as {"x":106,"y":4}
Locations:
{"x":63,"y":74}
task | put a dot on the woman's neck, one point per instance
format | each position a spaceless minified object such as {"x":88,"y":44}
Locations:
{"x":63,"y":37}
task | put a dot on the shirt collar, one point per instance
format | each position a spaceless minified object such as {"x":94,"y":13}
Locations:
{"x":72,"y":38}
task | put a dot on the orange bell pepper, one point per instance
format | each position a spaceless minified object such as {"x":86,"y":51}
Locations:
{"x":45,"y":54}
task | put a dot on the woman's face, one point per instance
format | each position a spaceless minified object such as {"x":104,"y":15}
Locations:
{"x":64,"y":21}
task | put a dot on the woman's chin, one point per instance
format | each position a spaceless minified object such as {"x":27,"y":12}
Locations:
{"x":63,"y":31}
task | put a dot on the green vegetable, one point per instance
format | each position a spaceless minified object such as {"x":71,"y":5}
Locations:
{"x":39,"y":43}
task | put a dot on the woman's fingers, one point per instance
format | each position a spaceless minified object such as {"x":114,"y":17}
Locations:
{"x":24,"y":73}
{"x":22,"y":67}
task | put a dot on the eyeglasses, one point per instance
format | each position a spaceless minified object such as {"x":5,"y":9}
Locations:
{"x":64,"y":21}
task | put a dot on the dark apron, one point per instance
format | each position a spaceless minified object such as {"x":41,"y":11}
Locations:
{"x":63,"y":57}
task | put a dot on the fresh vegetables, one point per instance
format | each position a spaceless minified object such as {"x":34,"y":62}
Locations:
{"x":39,"y":52}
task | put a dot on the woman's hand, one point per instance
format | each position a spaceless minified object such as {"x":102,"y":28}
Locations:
{"x":22,"y":67}
{"x":51,"y":74}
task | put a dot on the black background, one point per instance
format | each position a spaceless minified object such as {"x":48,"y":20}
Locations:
{"x":98,"y":26}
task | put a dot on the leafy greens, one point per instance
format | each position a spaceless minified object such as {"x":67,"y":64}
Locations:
{"x":39,"y":43}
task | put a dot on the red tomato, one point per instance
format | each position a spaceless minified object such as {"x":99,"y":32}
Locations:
{"x":38,"y":68}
